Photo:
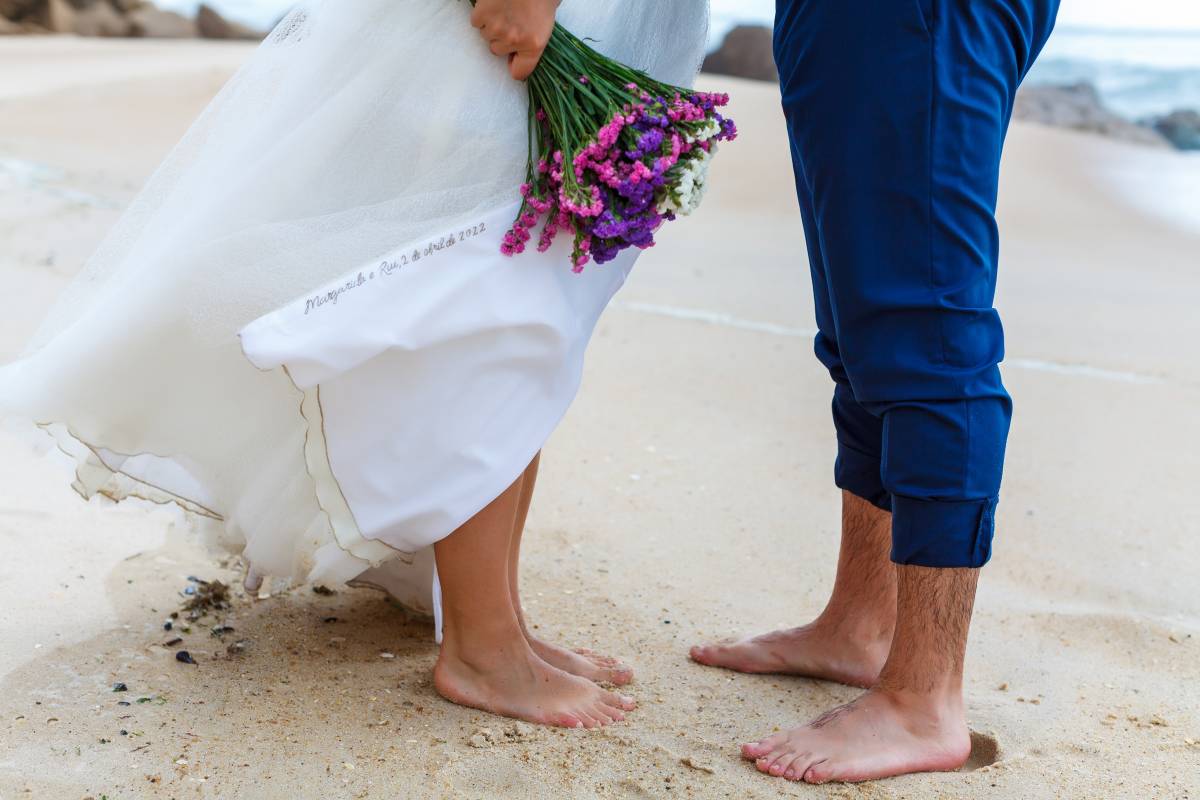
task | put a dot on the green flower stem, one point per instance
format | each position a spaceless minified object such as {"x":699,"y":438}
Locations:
{"x":576,"y":109}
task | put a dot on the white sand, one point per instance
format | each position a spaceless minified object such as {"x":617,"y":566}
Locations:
{"x":703,"y":421}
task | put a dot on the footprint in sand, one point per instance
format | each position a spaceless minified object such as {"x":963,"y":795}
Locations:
{"x":985,"y":751}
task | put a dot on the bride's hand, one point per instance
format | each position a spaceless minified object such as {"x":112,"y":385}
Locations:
{"x":519,"y":29}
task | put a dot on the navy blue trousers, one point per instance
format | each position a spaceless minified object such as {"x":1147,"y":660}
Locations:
{"x":897,"y":112}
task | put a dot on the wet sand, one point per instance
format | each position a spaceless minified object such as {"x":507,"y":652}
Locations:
{"x":687,"y":496}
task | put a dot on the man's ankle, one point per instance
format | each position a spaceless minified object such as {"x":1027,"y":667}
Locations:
{"x":856,"y":626}
{"x":934,"y":698}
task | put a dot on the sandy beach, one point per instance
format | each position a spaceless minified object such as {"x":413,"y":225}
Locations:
{"x":687,"y":496}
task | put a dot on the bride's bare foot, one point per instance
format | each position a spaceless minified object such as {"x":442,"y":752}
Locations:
{"x":521,"y":685}
{"x":486,"y":660}
{"x":820,"y":650}
{"x":879,"y":735}
{"x":584,"y":663}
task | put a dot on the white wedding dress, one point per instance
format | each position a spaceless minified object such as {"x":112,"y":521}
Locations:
{"x":303,"y":329}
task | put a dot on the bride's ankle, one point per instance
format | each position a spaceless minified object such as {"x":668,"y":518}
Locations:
{"x":484,"y":651}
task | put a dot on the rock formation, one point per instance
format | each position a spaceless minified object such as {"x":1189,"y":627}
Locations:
{"x":115,"y":18}
{"x":212,"y":25}
{"x":1181,"y":128}
{"x":1079,"y":107}
{"x":746,"y":53}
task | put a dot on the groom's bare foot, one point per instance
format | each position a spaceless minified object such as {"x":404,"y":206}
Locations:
{"x":521,"y":685}
{"x":819,"y":650}
{"x":584,"y":663}
{"x":879,"y":735}
{"x":849,"y":641}
{"x":913,"y":720}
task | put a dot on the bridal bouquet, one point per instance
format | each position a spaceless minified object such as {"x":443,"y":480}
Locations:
{"x":613,"y":153}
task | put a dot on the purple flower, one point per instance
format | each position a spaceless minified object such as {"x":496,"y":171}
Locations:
{"x":605,"y":192}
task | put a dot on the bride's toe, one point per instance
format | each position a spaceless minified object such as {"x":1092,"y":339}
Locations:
{"x":615,"y":712}
{"x":620,"y":701}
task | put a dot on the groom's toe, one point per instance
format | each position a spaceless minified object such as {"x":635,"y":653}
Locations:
{"x":818,"y":772}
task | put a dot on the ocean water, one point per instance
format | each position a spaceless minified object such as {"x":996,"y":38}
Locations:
{"x":1138,"y":73}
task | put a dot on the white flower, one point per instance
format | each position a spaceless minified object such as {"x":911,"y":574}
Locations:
{"x":685,"y":196}
{"x":710,"y":129}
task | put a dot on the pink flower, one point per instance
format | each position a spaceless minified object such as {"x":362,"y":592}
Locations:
{"x":606,"y":191}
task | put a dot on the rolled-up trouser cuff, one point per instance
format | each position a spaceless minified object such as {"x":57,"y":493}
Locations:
{"x":858,"y":473}
{"x":931,"y":533}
